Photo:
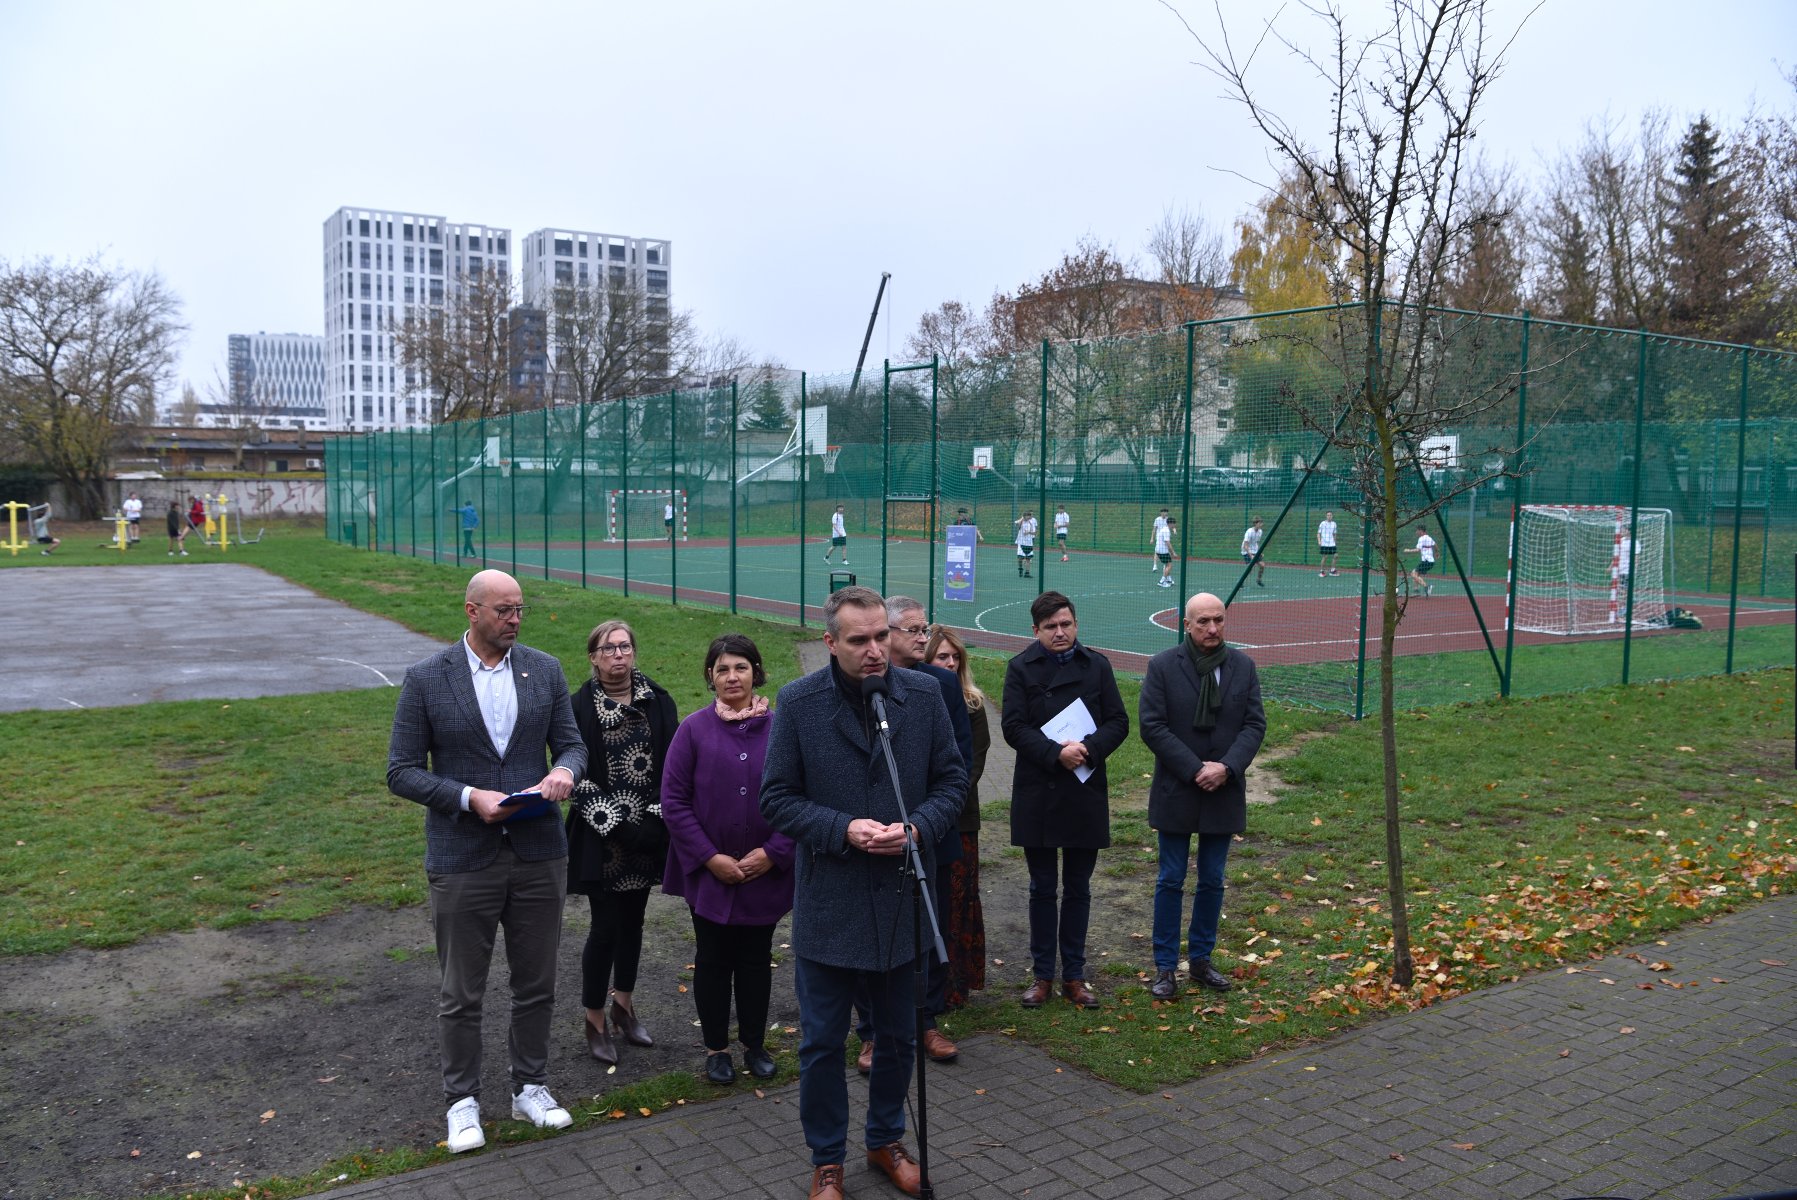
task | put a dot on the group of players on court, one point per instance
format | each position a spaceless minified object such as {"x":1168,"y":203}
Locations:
{"x":1166,"y":528}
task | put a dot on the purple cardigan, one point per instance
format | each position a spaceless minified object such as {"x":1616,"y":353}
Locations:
{"x":711,"y":801}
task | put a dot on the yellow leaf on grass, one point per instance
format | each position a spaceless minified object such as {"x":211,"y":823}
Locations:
{"x":268,"y":1116}
{"x":1688,"y":749}
{"x":645,"y":1112}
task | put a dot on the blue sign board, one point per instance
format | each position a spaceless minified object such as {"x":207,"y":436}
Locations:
{"x":958,"y":562}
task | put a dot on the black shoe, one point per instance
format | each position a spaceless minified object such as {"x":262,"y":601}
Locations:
{"x":719,"y":1069}
{"x":1208,"y":976}
{"x":759,"y":1061}
{"x":1163,"y":987}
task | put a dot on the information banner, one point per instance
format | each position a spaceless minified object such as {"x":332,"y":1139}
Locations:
{"x":958,"y":562}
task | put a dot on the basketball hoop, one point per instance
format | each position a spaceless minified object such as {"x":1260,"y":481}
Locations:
{"x":973,"y":470}
{"x":830,"y":453}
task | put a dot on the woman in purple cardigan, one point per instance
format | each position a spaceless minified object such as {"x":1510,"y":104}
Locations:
{"x":733,"y":869}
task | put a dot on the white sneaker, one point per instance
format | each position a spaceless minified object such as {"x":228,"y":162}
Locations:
{"x":536,"y":1105}
{"x":464,"y":1126}
{"x":183,"y":554}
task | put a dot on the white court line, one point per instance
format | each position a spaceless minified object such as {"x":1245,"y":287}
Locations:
{"x":352,"y":662}
{"x":70,"y":702}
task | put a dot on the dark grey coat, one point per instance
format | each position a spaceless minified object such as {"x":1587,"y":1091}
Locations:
{"x":440,"y":745}
{"x":1169,"y":699}
{"x":1050,"y":807}
{"x":823,"y":771}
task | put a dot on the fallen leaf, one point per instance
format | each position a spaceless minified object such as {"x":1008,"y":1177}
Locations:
{"x":268,"y":1116}
{"x":617,"y":1114}
{"x":760,"y":1095}
{"x":645,"y":1112}
{"x":1310,"y":1068}
{"x":1626,"y":1029}
{"x":1717,"y":979}
{"x":1466,"y":1145}
{"x":1164,"y":1096}
{"x":329,"y":1078}
{"x":1645,"y":987}
{"x":1316,"y":820}
{"x":1395,"y":1156}
{"x":1608,"y":982}
{"x":1688,"y":749}
{"x":1565,"y":1054}
{"x":1772,"y":962}
{"x":1659,"y":966}
{"x":195,"y":1154}
{"x":137,"y":1154}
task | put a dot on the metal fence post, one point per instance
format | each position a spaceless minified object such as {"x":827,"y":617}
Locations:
{"x":1522,"y":426}
{"x":804,"y":480}
{"x":734,"y":468}
{"x":1734,"y":576}
{"x":1628,"y":615}
{"x":1185,"y":483}
{"x":673,"y":530}
{"x":582,"y":412}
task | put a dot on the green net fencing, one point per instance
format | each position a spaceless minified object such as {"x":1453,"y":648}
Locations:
{"x":1603,"y":505}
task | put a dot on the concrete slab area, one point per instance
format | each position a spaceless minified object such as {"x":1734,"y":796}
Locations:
{"x":100,"y":637}
{"x":1560,"y":1085}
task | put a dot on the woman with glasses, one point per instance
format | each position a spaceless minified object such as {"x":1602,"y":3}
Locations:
{"x":963,"y":920}
{"x":616,"y":840}
{"x":733,"y":869}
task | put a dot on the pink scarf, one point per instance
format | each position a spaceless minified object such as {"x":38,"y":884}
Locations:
{"x":757,"y":707}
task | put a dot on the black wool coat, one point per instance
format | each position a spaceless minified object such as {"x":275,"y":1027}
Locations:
{"x":1050,"y":807}
{"x":1169,"y":700}
{"x":587,"y":851}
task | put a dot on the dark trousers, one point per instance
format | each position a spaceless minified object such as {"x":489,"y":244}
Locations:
{"x":468,"y":542}
{"x":824,"y":994}
{"x":468,"y":909}
{"x":1059,"y":924}
{"x":732,"y":957}
{"x":614,"y":944}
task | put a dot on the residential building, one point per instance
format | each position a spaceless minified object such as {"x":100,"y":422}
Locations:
{"x":380,"y":266}
{"x":276,"y":381}
{"x":607,"y":269}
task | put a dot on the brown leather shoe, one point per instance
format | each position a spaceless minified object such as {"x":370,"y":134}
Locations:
{"x":1037,"y":993}
{"x":826,"y":1182}
{"x":625,"y":1025}
{"x":1079,"y":992}
{"x":938,"y":1047}
{"x":899,"y":1166}
{"x":864,"y":1062}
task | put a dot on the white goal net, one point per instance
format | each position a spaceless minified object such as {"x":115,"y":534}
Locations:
{"x":645,"y":515}
{"x":1574,"y":562}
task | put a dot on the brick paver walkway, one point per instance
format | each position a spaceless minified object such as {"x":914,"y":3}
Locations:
{"x":1532,"y":1089}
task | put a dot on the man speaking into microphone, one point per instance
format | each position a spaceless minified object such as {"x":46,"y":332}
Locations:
{"x":826,"y":785}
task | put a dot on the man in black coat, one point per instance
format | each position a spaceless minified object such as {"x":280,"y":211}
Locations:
{"x":1055,"y":815}
{"x":1201,"y":715}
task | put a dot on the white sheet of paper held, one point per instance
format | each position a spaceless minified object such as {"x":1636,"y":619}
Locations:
{"x":1072,"y":724}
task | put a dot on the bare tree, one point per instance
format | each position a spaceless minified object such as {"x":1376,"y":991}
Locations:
{"x":1388,"y":186}
{"x":84,"y":348}
{"x":1484,"y":267}
{"x":616,"y":340}
{"x":1188,"y":251}
{"x":1767,"y":151}
{"x":458,"y":357}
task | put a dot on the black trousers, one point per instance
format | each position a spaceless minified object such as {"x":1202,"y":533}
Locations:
{"x":732,"y":958}
{"x":614,"y":946}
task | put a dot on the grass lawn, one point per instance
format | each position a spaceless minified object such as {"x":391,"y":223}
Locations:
{"x":1537,"y":833}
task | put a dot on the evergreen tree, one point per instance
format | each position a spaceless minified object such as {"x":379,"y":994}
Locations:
{"x":1709,"y":241}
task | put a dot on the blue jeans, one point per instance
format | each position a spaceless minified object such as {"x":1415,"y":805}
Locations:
{"x":824,"y":994}
{"x":1061,"y":925}
{"x":1207,"y":897}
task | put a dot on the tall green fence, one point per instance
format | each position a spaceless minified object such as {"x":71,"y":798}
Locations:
{"x":1655,"y":477}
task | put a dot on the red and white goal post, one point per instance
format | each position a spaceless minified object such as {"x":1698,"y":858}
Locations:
{"x":1571,"y":565}
{"x":642,"y":515}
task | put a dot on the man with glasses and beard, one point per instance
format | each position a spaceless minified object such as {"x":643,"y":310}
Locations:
{"x":475,"y":724}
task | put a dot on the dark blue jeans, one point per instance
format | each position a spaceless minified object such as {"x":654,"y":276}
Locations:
{"x":824,"y":994}
{"x":1059,"y":925}
{"x":1207,"y":897}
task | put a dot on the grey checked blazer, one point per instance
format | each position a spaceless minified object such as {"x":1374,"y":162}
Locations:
{"x":440,"y":745}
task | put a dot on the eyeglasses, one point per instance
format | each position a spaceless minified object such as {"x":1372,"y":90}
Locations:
{"x":615,"y":649}
{"x":915,"y":631}
{"x":505,"y":612}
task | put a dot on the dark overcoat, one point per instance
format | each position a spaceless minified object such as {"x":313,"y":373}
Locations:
{"x":440,"y":745}
{"x":825,"y":769}
{"x":587,"y":851}
{"x":1050,"y":807}
{"x":1176,"y":804}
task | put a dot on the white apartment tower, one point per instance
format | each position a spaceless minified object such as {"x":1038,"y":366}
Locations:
{"x":276,"y":381}
{"x":598,"y":262}
{"x":378,"y":266}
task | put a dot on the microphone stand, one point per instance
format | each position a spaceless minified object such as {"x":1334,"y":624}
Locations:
{"x":922,"y":908}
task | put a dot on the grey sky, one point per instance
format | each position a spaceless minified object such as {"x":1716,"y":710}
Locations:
{"x":791,"y":151}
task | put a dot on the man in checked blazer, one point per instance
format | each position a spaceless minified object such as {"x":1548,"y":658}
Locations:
{"x":477,"y":722}
{"x":1200,"y":713}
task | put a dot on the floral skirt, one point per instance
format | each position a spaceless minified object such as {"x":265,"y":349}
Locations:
{"x":964,"y":924}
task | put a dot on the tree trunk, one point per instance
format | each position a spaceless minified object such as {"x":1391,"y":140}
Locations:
{"x":1403,"y":968}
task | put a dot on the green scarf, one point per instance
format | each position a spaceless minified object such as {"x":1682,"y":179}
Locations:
{"x":1210,"y":696}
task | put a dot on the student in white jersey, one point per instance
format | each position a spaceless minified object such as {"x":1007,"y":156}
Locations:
{"x":1062,"y":522}
{"x":1160,"y":525}
{"x":1163,"y":551}
{"x":1251,"y":539}
{"x":1326,"y":545}
{"x":839,"y":536}
{"x":1026,"y":543}
{"x":1425,"y":559}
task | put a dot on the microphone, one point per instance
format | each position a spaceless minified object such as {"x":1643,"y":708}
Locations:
{"x":874,"y":690}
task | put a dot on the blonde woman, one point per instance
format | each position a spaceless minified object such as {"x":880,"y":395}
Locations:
{"x":964,"y":921}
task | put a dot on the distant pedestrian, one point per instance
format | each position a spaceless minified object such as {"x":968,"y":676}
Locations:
{"x":470,"y":522}
{"x":1326,"y":545}
{"x":1425,"y":559}
{"x":1026,"y":543}
{"x":177,"y":531}
{"x":40,"y":528}
{"x":196,"y":517}
{"x":1251,"y":540}
{"x":1062,"y":523}
{"x":134,"y":515}
{"x":667,"y":519}
{"x":1163,"y":551}
{"x":1160,"y":525}
{"x":839,"y":536}
{"x":961,"y":518}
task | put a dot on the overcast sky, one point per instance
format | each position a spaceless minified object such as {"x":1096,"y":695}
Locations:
{"x":790,"y":150}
